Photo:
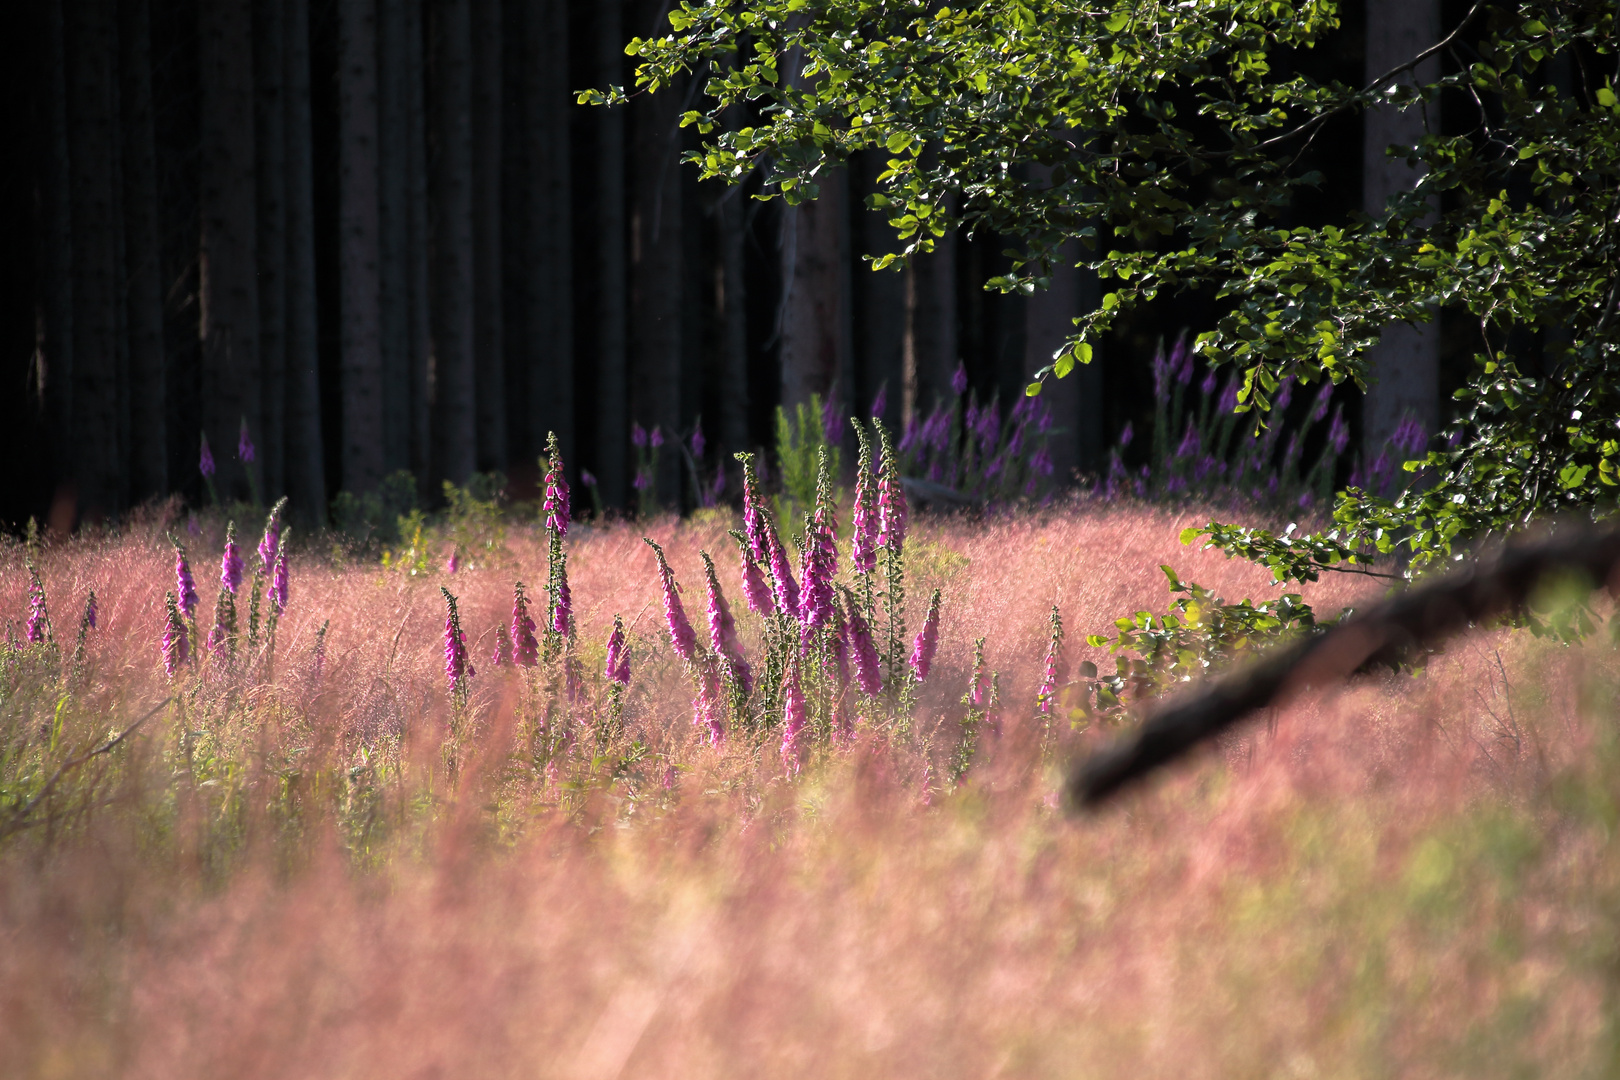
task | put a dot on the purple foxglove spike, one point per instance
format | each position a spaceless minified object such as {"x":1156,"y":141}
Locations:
{"x":278,"y":583}
{"x":1228,"y":403}
{"x":927,"y":641}
{"x":638,"y":436}
{"x":1126,"y":435}
{"x":617,"y":668}
{"x":717,"y":488}
{"x":525,"y":646}
{"x":708,"y":708}
{"x":564,"y":611}
{"x":1161,"y":373}
{"x":453,"y":563}
{"x":205,"y":460}
{"x":176,"y":642}
{"x":757,"y":593}
{"x":1189,"y":443}
{"x":880,"y":401}
{"x":959,"y":381}
{"x":1324,"y":397}
{"x":832,"y":421}
{"x":698,"y":442}
{"x":1015,"y":445}
{"x":587,"y":478}
{"x":1285,"y":394}
{"x":655,"y":437}
{"x":722,"y":627}
{"x":1041,"y":462}
{"x":787,"y":589}
{"x":183,"y":583}
{"x":681,"y":635}
{"x":1207,"y":387}
{"x":557,"y":510}
{"x":1338,"y":432}
{"x":741,"y":674}
{"x":502,"y":656}
{"x":90,"y":610}
{"x":1306,"y":499}
{"x":1182,"y":362}
{"x":230,"y":565}
{"x":37,"y":631}
{"x":1055,"y":672}
{"x":271,"y":541}
{"x":863,"y":544}
{"x":244,"y":443}
{"x":457,"y":664}
{"x":867,"y":674}
{"x":793,"y":720}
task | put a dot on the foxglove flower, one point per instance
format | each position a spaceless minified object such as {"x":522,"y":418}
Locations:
{"x":880,"y":401}
{"x":1285,"y":394}
{"x":525,"y":647}
{"x":1207,"y":387}
{"x":756,"y":522}
{"x":278,"y":583}
{"x":183,"y":583}
{"x":863,"y":545}
{"x":959,"y":381}
{"x":230,"y":564}
{"x":867,"y":675}
{"x":1054,"y":673}
{"x":39,"y":619}
{"x":453,"y":563}
{"x":927,"y":641}
{"x":556,"y":508}
{"x":176,"y":643}
{"x":892,"y":509}
{"x":655,"y":437}
{"x":1338,"y":432}
{"x":618,"y":655}
{"x":205,"y":460}
{"x":1320,"y":407}
{"x":787,"y":589}
{"x":1182,"y":362}
{"x":587,"y":478}
{"x":681,"y":635}
{"x":563,"y":610}
{"x":244,"y":444}
{"x":755,"y":591}
{"x":1229,"y":398}
{"x":698,"y":443}
{"x":1126,"y":435}
{"x":832,"y":422}
{"x":458,"y":666}
{"x":271,"y":543}
{"x":90,"y":610}
{"x":722,"y":627}
{"x":502,"y":656}
{"x":708,"y":708}
{"x":793,"y":721}
{"x":638,"y":436}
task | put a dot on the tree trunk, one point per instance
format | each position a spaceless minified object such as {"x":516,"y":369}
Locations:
{"x":815,"y":288}
{"x":655,"y":268}
{"x":419,"y":303}
{"x":930,"y":345}
{"x":880,"y":305}
{"x":393,"y":219}
{"x":231,"y":378}
{"x":1406,"y":361}
{"x":488,"y":361}
{"x":547,"y":350}
{"x":607,"y":262}
{"x":731,"y":301}
{"x":53,"y":371}
{"x":453,"y":339}
{"x":1076,"y":401}
{"x":270,"y":125}
{"x":305,"y":456}
{"x":358,"y":228}
{"x":92,"y":136}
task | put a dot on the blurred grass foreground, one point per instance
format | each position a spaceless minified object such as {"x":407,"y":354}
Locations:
{"x":323,"y":865}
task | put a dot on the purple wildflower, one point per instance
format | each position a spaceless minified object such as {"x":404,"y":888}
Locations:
{"x":453,"y":563}
{"x":864,"y":515}
{"x":1285,"y":394}
{"x":502,"y":656}
{"x":708,"y":708}
{"x":1126,"y":435}
{"x":787,"y":589}
{"x":832,"y":422}
{"x":866,"y":658}
{"x":1041,"y":462}
{"x":458,"y":666}
{"x":205,"y":461}
{"x":722,"y":627}
{"x":90,"y":610}
{"x":1338,"y":432}
{"x":655,"y":438}
{"x":278,"y":583}
{"x":681,"y":635}
{"x":587,"y":478}
{"x":557,"y":510}
{"x":1181,"y":362}
{"x":755,"y":521}
{"x":525,"y":649}
{"x":1409,"y":437}
{"x":1207,"y":387}
{"x":892,"y":509}
{"x":638,"y":436}
{"x":617,"y":668}
{"x":698,"y":443}
{"x":1054,"y":665}
{"x":230,"y":564}
{"x":183,"y":583}
{"x":959,"y":380}
{"x":176,"y":642}
{"x":1320,"y":407}
{"x":755,"y":591}
{"x":1190,"y":443}
{"x":39,"y":619}
{"x":244,"y":443}
{"x":927,"y":641}
{"x":880,"y":401}
{"x":271,"y":542}
{"x":1229,"y":401}
{"x":793,"y":718}
{"x":563,"y":611}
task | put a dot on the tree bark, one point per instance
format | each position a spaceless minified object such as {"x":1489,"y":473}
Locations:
{"x":880,"y":305}
{"x":358,"y":256}
{"x":1406,"y":361}
{"x":53,"y":359}
{"x":488,"y":361}
{"x":1077,"y":437}
{"x":231,"y":378}
{"x":816,"y":328}
{"x":305,"y":456}
{"x":393,"y":222}
{"x":731,"y":301}
{"x":419,"y":303}
{"x":453,"y":339}
{"x":92,"y":136}
{"x":270,"y":125}
{"x":148,"y":369}
{"x":547,"y":350}
{"x":930,"y":344}
{"x":655,"y":269}
{"x":607,"y":263}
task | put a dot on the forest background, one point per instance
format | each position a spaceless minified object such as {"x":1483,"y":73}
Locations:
{"x":384,"y":236}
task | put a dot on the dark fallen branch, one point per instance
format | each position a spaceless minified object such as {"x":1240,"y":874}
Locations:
{"x":1382,"y":635}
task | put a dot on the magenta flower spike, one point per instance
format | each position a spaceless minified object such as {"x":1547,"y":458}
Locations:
{"x":453,"y":563}
{"x":864,"y":516}
{"x":230,"y":564}
{"x":793,"y":721}
{"x":458,"y":666}
{"x":655,"y":438}
{"x":708,"y":708}
{"x":756,"y":522}
{"x":39,"y":620}
{"x":722,"y":627}
{"x":698,"y":443}
{"x":681,"y":635}
{"x":205,"y":460}
{"x":90,"y":610}
{"x":502,"y":656}
{"x":244,"y":443}
{"x":787,"y":589}
{"x":271,"y":543}
{"x":278,"y":582}
{"x":638,"y":436}
{"x":525,"y":647}
{"x":617,"y":668}
{"x":563,"y":612}
{"x":927,"y":641}
{"x":1055,"y":673}
{"x":184,"y":586}
{"x":892,"y":509}
{"x":867,"y":675}
{"x":755,"y":590}
{"x":959,"y":380}
{"x":176,"y":643}
{"x":557,"y":509}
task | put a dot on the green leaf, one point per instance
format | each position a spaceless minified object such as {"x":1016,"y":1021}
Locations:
{"x":1033,"y":389}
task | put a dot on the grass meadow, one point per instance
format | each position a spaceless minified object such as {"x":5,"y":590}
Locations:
{"x":321,"y":868}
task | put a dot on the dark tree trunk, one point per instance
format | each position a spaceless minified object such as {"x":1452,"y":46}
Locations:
{"x":231,"y":377}
{"x":93,"y":142}
{"x":546,"y":352}
{"x":418,"y":322}
{"x":930,"y":346}
{"x":393,"y":216}
{"x":270,"y":125}
{"x":360,"y":295}
{"x":731,"y":303}
{"x":1406,"y":361}
{"x":53,"y":360}
{"x":607,"y":264}
{"x":453,"y":338}
{"x":1076,"y":401}
{"x":489,"y":363}
{"x":305,"y":456}
{"x":880,"y":305}
{"x":655,"y":270}
{"x":815,"y":290}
